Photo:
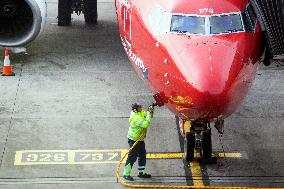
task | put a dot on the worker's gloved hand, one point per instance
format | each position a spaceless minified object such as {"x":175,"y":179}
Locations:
{"x":151,"y":109}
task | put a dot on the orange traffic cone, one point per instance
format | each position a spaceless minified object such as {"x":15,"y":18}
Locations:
{"x":7,"y":68}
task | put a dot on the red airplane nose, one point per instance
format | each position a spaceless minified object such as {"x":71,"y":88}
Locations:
{"x":215,"y":76}
{"x":210,"y":67}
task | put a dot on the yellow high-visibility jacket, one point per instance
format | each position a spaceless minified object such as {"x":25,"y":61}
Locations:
{"x":138,"y":121}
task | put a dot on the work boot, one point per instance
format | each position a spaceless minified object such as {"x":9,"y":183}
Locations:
{"x":130,"y":178}
{"x":144,"y":175}
{"x":127,"y":172}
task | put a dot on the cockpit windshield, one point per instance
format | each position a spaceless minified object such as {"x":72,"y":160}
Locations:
{"x":226,"y":24}
{"x":161,"y":21}
{"x":188,"y":24}
{"x":207,"y":25}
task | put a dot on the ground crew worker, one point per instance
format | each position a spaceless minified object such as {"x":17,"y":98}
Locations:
{"x":139,"y":120}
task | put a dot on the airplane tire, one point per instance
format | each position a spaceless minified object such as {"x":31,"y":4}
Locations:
{"x":64,"y":12}
{"x":189,"y":144}
{"x":91,"y":12}
{"x":207,"y":144}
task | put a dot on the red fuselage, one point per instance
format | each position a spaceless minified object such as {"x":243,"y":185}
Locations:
{"x":200,"y":54}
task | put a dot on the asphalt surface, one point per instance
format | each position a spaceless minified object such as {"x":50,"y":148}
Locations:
{"x":72,"y":92}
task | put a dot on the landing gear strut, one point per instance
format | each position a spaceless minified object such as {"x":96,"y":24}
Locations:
{"x":197,"y":137}
{"x":67,"y":7}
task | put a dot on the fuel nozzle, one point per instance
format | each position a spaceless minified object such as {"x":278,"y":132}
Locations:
{"x":151,"y":107}
{"x":160,"y":99}
{"x":154,"y":104}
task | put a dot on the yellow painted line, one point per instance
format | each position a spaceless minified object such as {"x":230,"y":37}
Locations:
{"x":76,"y":157}
{"x":228,"y":155}
{"x":71,"y":156}
{"x":196,"y":155}
{"x":67,"y":163}
{"x":187,"y":126}
{"x":196,"y":168}
{"x":18,"y":159}
{"x":103,"y":150}
{"x":123,"y":152}
{"x":196,"y":173}
{"x":164,"y":155}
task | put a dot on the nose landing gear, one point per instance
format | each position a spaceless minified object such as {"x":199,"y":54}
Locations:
{"x":197,"y":138}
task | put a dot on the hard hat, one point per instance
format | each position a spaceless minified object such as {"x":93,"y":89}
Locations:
{"x":135,"y":106}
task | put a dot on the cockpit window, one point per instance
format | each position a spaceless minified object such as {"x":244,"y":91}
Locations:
{"x":161,"y":21}
{"x":188,"y":24}
{"x":226,"y":24}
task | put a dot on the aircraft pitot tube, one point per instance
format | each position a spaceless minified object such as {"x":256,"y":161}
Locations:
{"x":21,"y":21}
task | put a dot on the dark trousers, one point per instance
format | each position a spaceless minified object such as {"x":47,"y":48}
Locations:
{"x":138,"y":152}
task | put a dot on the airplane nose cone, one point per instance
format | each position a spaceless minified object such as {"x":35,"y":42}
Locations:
{"x":213,"y":78}
{"x":209,"y":66}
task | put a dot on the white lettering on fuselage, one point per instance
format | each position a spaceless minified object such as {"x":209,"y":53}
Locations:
{"x":138,"y":61}
{"x":125,"y":3}
{"x":133,"y":57}
{"x":206,"y":10}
